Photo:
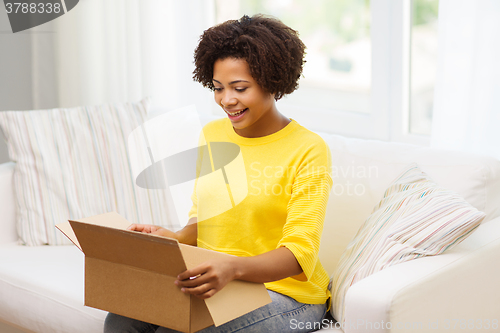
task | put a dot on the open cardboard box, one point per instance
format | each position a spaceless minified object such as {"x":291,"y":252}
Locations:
{"x":132,"y":274}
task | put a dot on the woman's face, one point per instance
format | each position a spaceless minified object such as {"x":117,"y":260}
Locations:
{"x":252,"y":111}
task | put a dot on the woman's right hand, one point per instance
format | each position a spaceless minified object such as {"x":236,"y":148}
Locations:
{"x":152,"y":229}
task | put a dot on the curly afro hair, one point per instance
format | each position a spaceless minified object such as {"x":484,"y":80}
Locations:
{"x":273,"y":51}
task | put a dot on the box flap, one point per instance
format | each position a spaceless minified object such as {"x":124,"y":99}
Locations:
{"x":145,"y":251}
{"x":111,"y":219}
{"x":200,"y":316}
{"x":227,"y":304}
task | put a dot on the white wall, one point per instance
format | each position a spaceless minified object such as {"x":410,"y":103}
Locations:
{"x":15,"y":73}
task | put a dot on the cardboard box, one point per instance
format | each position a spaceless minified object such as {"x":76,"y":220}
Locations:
{"x":132,"y":274}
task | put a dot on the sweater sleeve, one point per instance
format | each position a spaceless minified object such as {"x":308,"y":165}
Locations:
{"x":306,"y":208}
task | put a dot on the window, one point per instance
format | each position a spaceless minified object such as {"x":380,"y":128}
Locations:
{"x":337,"y":73}
{"x":357,"y":78}
{"x":423,"y":64}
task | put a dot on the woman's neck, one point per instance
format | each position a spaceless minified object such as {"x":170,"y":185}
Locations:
{"x":270,"y":123}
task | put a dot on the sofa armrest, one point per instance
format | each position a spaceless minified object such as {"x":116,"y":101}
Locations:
{"x":444,"y":293}
{"x":8,"y":232}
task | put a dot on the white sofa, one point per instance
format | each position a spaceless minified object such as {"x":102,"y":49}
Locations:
{"x":41,"y":288}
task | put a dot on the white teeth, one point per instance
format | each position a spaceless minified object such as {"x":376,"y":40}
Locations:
{"x":236,"y":113}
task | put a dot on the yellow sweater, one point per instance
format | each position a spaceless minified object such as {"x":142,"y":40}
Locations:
{"x":254,"y":195}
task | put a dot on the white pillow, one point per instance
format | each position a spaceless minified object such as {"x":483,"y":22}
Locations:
{"x":415,"y":218}
{"x":73,"y":163}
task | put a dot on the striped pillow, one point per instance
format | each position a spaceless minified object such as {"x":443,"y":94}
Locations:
{"x":74,"y":163}
{"x":415,"y":218}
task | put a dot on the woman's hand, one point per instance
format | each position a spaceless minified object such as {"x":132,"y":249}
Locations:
{"x":152,"y":229}
{"x":212,"y":275}
{"x":208,"y":278}
{"x":187,"y":235}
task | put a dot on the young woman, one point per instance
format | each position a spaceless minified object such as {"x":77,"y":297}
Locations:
{"x":275,"y":230}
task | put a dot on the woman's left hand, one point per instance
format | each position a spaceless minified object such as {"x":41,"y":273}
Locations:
{"x":208,"y":278}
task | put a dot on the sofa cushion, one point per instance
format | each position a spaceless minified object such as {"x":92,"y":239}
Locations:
{"x":415,"y":218}
{"x":42,"y":290}
{"x":73,"y":163}
{"x":8,"y":220}
{"x":363,"y":168}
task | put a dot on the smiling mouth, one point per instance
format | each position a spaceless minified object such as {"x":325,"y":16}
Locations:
{"x":237,"y":113}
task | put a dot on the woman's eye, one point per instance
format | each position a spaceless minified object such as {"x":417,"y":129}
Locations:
{"x":217,"y":89}
{"x":241,"y":89}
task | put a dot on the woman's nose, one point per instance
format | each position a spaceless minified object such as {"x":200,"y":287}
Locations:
{"x":227,"y":100}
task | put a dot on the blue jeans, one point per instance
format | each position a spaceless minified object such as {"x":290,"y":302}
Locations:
{"x":284,"y":314}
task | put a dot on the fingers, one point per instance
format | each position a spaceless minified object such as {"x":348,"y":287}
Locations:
{"x":198,"y":270}
{"x":132,"y":227}
{"x":193,"y":282}
{"x":200,"y":290}
{"x":139,"y":227}
{"x":145,"y":228}
{"x":208,"y":294}
{"x":160,"y":231}
{"x":197,"y":281}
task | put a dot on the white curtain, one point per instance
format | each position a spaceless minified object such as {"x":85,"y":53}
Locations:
{"x":467,"y":94}
{"x":111,"y":51}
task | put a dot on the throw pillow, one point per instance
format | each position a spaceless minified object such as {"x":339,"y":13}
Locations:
{"x":415,"y":218}
{"x":74,"y":163}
